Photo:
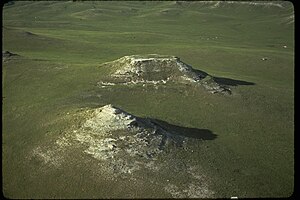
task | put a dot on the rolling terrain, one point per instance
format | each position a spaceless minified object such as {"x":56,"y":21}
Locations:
{"x":57,"y":55}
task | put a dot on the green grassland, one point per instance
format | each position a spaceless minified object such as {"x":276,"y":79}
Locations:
{"x":62,"y":46}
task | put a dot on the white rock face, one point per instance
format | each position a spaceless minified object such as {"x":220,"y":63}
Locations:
{"x":108,"y":118}
{"x":130,"y":64}
{"x":112,"y":133}
{"x":125,"y":146}
{"x":157,"y":70}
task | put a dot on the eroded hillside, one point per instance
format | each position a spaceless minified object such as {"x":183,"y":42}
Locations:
{"x":126,"y":146}
{"x":158,"y":70}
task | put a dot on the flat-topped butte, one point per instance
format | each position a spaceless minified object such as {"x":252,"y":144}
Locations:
{"x":158,"y":70}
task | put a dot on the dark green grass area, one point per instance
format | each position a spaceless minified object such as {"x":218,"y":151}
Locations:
{"x":62,"y":46}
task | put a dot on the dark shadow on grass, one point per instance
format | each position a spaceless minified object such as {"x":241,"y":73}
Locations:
{"x":202,"y":134}
{"x":231,"y":82}
{"x":221,"y":80}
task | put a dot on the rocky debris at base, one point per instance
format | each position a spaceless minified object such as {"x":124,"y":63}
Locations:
{"x":113,"y":133}
{"x":158,"y":70}
{"x":128,"y":147}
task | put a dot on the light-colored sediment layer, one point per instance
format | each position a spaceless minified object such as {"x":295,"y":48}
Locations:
{"x":124,"y":145}
{"x":157,"y":70}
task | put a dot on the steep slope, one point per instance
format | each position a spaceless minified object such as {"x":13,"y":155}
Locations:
{"x":61,"y":44}
{"x":112,"y":132}
{"x":126,"y":146}
{"x":158,"y":70}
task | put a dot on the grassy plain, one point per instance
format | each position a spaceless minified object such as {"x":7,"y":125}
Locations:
{"x":62,"y":46}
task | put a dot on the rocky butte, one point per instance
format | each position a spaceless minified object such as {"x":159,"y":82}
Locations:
{"x":129,"y":147}
{"x":158,"y":70}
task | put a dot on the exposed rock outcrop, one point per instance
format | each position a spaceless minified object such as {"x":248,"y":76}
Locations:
{"x":158,"y":70}
{"x":112,"y":133}
{"x":126,"y":146}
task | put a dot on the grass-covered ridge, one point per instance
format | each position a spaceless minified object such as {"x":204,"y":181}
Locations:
{"x":61,"y":47}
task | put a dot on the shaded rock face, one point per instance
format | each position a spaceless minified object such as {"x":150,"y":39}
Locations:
{"x":159,"y":70}
{"x":112,"y":133}
{"x":129,"y":147}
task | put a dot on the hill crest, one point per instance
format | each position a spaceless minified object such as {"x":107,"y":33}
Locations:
{"x":158,"y":70}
